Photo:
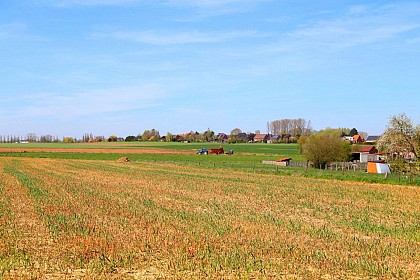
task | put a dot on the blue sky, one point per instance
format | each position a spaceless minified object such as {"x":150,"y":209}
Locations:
{"x":70,"y":67}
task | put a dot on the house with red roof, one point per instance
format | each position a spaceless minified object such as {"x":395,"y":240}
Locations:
{"x":261,"y":138}
{"x":364,"y":153}
{"x":358,"y":139}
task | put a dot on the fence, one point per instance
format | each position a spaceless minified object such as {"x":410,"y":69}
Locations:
{"x":349,"y":166}
{"x":339,"y":170}
{"x":267,"y":166}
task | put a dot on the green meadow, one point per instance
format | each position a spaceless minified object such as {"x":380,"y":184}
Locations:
{"x":246,"y":157}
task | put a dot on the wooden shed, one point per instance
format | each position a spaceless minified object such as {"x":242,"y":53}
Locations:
{"x":284,"y":161}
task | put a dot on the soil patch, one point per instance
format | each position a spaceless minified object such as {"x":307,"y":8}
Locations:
{"x":95,"y":150}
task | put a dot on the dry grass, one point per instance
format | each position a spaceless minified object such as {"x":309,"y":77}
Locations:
{"x":90,"y":219}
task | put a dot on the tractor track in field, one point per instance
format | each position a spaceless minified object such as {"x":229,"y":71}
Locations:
{"x":29,"y":231}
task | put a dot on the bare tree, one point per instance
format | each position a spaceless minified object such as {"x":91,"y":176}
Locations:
{"x":294,"y":127}
{"x":31,"y":137}
{"x":46,"y":138}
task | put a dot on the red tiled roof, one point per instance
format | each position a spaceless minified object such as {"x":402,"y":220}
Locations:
{"x":357,"y":137}
{"x":260,"y":136}
{"x":364,"y":149}
{"x":283,"y":159}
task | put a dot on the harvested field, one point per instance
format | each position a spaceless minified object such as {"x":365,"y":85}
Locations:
{"x":109,"y":219}
{"x":92,"y":150}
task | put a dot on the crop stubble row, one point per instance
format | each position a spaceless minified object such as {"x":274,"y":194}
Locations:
{"x":172,"y":221}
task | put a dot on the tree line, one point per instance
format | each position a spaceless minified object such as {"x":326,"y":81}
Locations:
{"x":30,"y":138}
{"x":292,"y":127}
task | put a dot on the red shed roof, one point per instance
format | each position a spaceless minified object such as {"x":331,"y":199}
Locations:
{"x":365,"y":149}
{"x":283,"y":159}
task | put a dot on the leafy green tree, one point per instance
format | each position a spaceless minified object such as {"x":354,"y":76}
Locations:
{"x":333,"y":132}
{"x":68,"y":140}
{"x":152,"y":135}
{"x":323,"y":148}
{"x":232,"y":140}
{"x":112,"y":138}
{"x":208,"y":135}
{"x":353,"y":132}
{"x":301,"y":142}
{"x":169,"y":137}
{"x":131,"y":138}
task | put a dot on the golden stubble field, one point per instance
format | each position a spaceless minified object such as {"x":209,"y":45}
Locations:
{"x":101,"y":219}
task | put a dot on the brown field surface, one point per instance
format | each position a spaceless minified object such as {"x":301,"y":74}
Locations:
{"x":93,"y":150}
{"x":100,"y":219}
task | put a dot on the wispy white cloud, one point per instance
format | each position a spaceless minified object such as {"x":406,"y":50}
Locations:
{"x":92,"y":102}
{"x":70,"y":3}
{"x":205,"y":9}
{"x":201,"y":4}
{"x":370,"y":26}
{"x":16,"y":30}
{"x":336,"y":41}
{"x":361,"y":26}
{"x":212,"y":3}
{"x":171,"y":38}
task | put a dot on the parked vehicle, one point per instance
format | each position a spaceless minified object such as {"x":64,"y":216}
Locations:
{"x":203,"y":151}
{"x":217,"y":151}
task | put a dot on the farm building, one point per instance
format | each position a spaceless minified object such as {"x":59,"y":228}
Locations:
{"x":348,"y":138}
{"x":222,"y":137}
{"x":284,"y":161}
{"x":372,"y":140}
{"x":274,"y":139}
{"x":286,"y":138}
{"x":365,"y":153}
{"x":357,"y":139}
{"x":261,"y":138}
{"x":242,"y":137}
{"x":280,"y":162}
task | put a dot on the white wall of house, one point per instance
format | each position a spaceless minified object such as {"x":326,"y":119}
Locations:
{"x":366,"y":157}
